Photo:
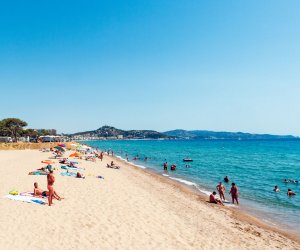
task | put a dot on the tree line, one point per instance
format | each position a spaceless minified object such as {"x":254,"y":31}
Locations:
{"x":15,"y":128}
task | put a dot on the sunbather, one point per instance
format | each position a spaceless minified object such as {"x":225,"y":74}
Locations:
{"x":112,"y":165}
{"x":38,"y":192}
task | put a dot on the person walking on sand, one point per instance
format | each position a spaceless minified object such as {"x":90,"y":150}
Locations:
{"x":50,"y":183}
{"x":221,"y":189}
{"x":234,"y":193}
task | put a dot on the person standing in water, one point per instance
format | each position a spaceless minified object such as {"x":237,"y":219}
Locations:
{"x":165,"y":166}
{"x":234,"y":193}
{"x":221,"y":189}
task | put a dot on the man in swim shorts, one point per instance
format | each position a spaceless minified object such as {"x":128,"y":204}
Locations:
{"x":39,"y":192}
{"x":234,"y":193}
{"x":213,"y":199}
{"x":221,"y":189}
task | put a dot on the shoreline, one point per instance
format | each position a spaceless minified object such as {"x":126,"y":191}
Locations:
{"x":195,"y":193}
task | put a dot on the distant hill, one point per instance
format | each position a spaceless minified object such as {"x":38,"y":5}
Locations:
{"x":111,"y":132}
{"x":204,"y":134}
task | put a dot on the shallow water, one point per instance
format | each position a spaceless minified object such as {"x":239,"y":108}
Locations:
{"x":255,"y":166}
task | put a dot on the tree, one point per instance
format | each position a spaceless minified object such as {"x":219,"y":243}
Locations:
{"x":13,"y":126}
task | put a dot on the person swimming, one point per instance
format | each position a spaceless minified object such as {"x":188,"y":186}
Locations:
{"x":173,"y":167}
{"x":226,"y":179}
{"x":276,"y":189}
{"x":290,"y":192}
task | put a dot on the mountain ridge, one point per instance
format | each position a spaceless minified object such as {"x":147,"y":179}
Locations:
{"x":207,"y":134}
{"x":109,"y":132}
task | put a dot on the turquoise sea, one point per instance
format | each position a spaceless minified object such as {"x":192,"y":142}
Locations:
{"x":255,"y":166}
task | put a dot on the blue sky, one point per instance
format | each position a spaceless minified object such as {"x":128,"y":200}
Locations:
{"x":216,"y":65}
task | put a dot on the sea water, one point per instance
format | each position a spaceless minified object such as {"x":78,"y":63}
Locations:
{"x":255,"y":166}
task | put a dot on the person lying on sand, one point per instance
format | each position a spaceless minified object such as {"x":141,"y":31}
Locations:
{"x":38,"y":192}
{"x":213,"y":199}
{"x":64,"y":161}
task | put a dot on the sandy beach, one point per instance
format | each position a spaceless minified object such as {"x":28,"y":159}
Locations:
{"x":128,"y":209}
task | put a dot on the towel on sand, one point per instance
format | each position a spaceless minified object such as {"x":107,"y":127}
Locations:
{"x":29,"y":199}
{"x":68,"y":174}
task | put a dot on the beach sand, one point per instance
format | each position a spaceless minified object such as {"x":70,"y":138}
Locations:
{"x":128,"y":209}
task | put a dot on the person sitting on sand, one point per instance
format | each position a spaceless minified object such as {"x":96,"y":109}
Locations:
{"x":213,"y":199}
{"x":38,"y":192}
{"x":221,"y":189}
{"x":290,"y":192}
{"x":234,"y":193}
{"x":276,"y":189}
{"x":79,"y":175}
{"x":226,"y":179}
{"x":112,"y":165}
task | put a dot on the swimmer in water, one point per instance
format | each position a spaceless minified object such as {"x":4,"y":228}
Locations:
{"x":290,"y":192}
{"x":226,"y":179}
{"x":276,"y":189}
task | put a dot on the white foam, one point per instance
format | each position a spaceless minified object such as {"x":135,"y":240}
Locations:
{"x":165,"y":175}
{"x":189,"y":183}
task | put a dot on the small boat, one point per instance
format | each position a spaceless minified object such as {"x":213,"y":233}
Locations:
{"x":187,"y":160}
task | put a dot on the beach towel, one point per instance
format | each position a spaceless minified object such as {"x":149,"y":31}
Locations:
{"x":30,"y":194}
{"x":37,"y":173}
{"x":24,"y":198}
{"x":68,"y":174}
{"x":71,"y":168}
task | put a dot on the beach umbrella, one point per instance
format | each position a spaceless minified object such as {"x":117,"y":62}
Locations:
{"x":48,"y":162}
{"x":60,"y":148}
{"x":75,"y":155}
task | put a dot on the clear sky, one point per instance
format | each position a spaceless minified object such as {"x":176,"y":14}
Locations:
{"x":152,"y":64}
